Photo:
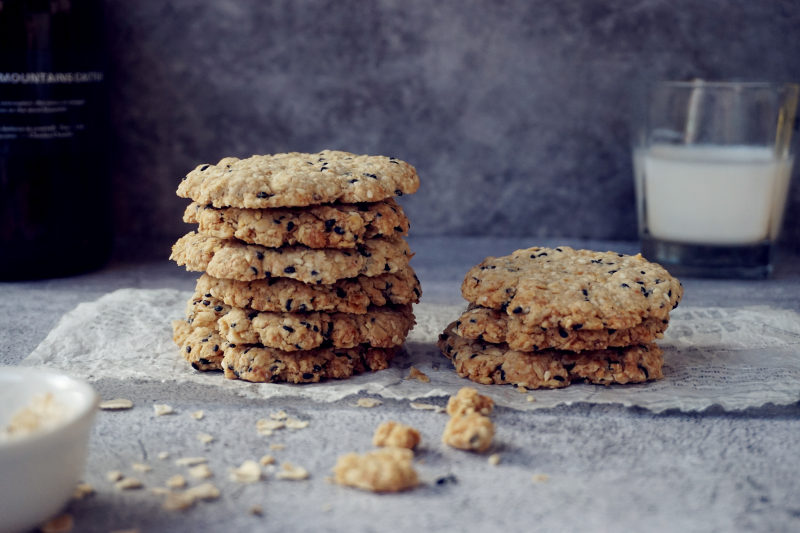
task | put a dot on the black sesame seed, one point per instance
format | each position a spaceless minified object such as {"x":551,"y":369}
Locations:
{"x":218,"y":308}
{"x":338,"y":230}
{"x":373,"y":176}
{"x":260,"y":255}
{"x":625,"y":285}
{"x":289,"y":270}
{"x":289,"y":304}
{"x":263,"y":194}
{"x":289,"y":329}
{"x":204,"y":167}
{"x":329,"y":224}
{"x":308,"y":375}
{"x":563,"y":333}
{"x":254,"y":269}
{"x":290,"y":226}
{"x":188,"y":349}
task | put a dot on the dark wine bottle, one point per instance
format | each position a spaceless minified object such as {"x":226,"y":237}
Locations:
{"x":55,"y":215}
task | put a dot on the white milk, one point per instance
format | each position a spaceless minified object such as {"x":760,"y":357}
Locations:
{"x":713,"y":194}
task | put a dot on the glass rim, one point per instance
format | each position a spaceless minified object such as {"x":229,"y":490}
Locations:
{"x":724,"y":84}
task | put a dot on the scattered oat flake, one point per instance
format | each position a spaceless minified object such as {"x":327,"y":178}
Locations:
{"x":190,"y":461}
{"x":368,"y":402}
{"x":205,"y":491}
{"x":293,"y":423}
{"x":178,"y":501}
{"x":248,"y":472}
{"x":415,"y":373}
{"x":521,"y":388}
{"x":292,"y":472}
{"x":205,"y":438}
{"x":114,"y":475}
{"x":176,"y":482}
{"x":141,"y":467}
{"x":531,"y":398}
{"x":163,"y":455}
{"x":117,"y":404}
{"x":256,"y":510}
{"x":201,"y":471}
{"x":82,"y":491}
{"x":280,"y":415}
{"x":128,"y":483}
{"x":265,"y":427}
{"x":494,"y":459}
{"x":419,"y":406}
{"x":540,"y":478}
{"x":266,"y":460}
{"x":160,"y":491}
{"x":198,"y":415}
{"x":277,"y":446}
{"x":162,"y":409}
{"x":60,"y":524}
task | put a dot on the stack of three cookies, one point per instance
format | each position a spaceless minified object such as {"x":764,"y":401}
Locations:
{"x":545,"y":317}
{"x":306,"y":273}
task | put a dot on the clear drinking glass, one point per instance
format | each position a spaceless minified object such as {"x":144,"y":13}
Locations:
{"x":712,"y":163}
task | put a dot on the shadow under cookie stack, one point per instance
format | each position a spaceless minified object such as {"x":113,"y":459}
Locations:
{"x":306,"y":274}
{"x":546,"y":317}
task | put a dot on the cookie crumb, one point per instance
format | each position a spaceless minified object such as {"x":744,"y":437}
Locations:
{"x":201,"y":471}
{"x":531,"y":398}
{"x":198,"y":415}
{"x":415,"y":373}
{"x":292,"y":472}
{"x":521,"y":388}
{"x":248,"y":472}
{"x":472,"y":431}
{"x":117,"y":404}
{"x":266,"y":460}
{"x":163,"y":455}
{"x":540,"y":478}
{"x":293,"y":423}
{"x":256,"y":510}
{"x":467,"y":400}
{"x":419,"y":406}
{"x":114,"y":475}
{"x":494,"y":459}
{"x":176,"y":482}
{"x":265,"y":427}
{"x":178,"y":501}
{"x":141,"y":467}
{"x":395,"y":434}
{"x":82,"y":491}
{"x":128,"y":483}
{"x":60,"y":524}
{"x":383,"y":470}
{"x":162,"y":409}
{"x":205,"y":438}
{"x":368,"y":402}
{"x":280,"y":415}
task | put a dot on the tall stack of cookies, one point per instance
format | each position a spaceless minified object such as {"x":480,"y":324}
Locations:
{"x":306,"y":274}
{"x":545,"y":317}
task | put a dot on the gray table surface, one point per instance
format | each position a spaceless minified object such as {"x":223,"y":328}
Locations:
{"x":608,"y":468}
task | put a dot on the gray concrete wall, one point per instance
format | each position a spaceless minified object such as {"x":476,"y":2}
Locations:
{"x":515,"y":113}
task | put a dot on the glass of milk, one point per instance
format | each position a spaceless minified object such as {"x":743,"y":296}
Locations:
{"x":712,"y":163}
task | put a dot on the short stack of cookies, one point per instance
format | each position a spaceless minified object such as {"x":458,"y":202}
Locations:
{"x":547,"y":317}
{"x":306,"y":274}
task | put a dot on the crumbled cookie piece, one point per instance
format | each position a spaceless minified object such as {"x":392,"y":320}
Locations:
{"x":415,"y":373}
{"x":395,"y":434}
{"x":176,"y":482}
{"x":294,"y":423}
{"x":266,"y":460}
{"x":117,"y":404}
{"x":198,"y":415}
{"x":205,"y":438}
{"x":471,"y":431}
{"x":383,"y":470}
{"x":201,"y":471}
{"x":248,"y":472}
{"x":265,"y":427}
{"x":368,"y":402}
{"x":494,"y":459}
{"x":162,"y":409}
{"x":468,"y":400}
{"x":178,"y":501}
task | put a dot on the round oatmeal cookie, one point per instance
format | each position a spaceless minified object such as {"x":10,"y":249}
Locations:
{"x":493,"y":326}
{"x":259,"y":364}
{"x":573,"y":289}
{"x":346,"y":296}
{"x":298,"y":179}
{"x":487,"y":363}
{"x":232,"y":259}
{"x":381,"y":327}
{"x":200,"y":346}
{"x":322,"y":226}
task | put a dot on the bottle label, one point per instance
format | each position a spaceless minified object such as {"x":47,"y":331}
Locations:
{"x":41,"y":106}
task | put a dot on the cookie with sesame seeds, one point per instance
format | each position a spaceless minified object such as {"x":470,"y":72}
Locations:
{"x":319,"y":226}
{"x":381,"y":327}
{"x":573,"y":289}
{"x":233,"y":259}
{"x":489,"y":363}
{"x":298,"y":179}
{"x":495,"y":326}
{"x":267,"y":365}
{"x":201,"y":346}
{"x":353,"y":295}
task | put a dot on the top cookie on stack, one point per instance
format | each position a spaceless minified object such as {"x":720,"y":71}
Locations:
{"x":543,"y":316}
{"x":288,"y":241}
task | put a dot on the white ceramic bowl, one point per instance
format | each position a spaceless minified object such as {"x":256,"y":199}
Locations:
{"x":39,"y":471}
